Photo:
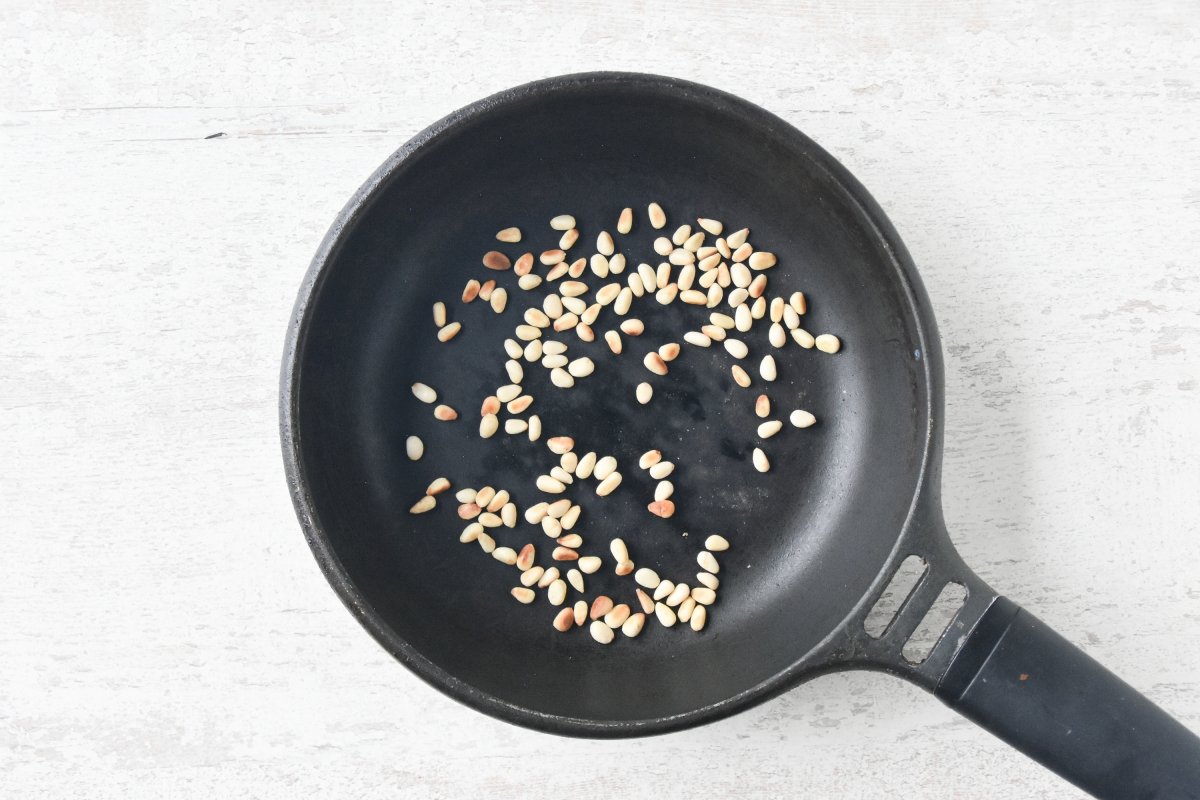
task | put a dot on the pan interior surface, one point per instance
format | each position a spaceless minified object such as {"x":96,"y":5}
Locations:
{"x":808,"y":537}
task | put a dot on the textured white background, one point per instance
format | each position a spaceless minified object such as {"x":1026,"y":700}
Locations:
{"x":164,"y":631}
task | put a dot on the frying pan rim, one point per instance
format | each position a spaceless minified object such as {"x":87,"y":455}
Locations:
{"x":809,"y":664}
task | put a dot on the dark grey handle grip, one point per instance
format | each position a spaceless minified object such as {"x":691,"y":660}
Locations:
{"x":1020,"y":680}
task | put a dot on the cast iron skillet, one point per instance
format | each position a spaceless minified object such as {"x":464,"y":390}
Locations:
{"x":816,"y":540}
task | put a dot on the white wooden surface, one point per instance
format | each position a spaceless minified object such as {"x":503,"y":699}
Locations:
{"x":164,"y":631}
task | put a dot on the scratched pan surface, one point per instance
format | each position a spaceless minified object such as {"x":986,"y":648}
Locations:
{"x":810,"y":538}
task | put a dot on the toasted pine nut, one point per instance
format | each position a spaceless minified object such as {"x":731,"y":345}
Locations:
{"x":601,"y":632}
{"x":740,"y":377}
{"x":486,"y":289}
{"x":761,"y":463}
{"x":525,"y":556}
{"x":469,"y":292}
{"x":662,"y":508}
{"x":613,"y":339}
{"x":665,"y":614}
{"x":520,"y":404}
{"x":654,"y":362}
{"x":563,"y":620}
{"x":650,"y":458}
{"x":708,"y":562}
{"x":644,"y":600}
{"x":523,"y":265}
{"x":657,"y":216}
{"x":564,"y":554}
{"x":600,"y":606}
{"x":426,"y":503}
{"x":625,"y":221}
{"x":552,"y":257}
{"x":699,"y":617}
{"x":756,"y":289}
{"x":496,"y":260}
{"x":762,"y":406}
{"x":623,"y":568}
{"x":522,"y":594}
{"x":828,"y":343}
{"x":499,"y":300}
{"x":616,"y":618}
{"x":468,"y":511}
{"x":590,"y":564}
{"x":716,"y":543}
{"x":767,"y":369}
{"x":632,"y":327}
{"x":438,"y":486}
{"x":445,"y":413}
{"x":560,"y":444}
{"x":802,"y":419}
{"x":414,"y":448}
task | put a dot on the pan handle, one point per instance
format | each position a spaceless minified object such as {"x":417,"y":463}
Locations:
{"x":1017,"y":678}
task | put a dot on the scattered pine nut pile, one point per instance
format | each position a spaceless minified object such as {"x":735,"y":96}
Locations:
{"x":704,"y":275}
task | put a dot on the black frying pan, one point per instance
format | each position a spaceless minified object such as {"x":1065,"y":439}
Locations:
{"x":816,"y":540}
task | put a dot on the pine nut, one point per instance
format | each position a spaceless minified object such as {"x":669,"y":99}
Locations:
{"x":693,"y":242}
{"x":468,"y":511}
{"x":698,"y":339}
{"x":522,"y":594}
{"x":692,"y":297}
{"x":722,"y":247}
{"x":723,"y":278}
{"x":802,"y":419}
{"x":663,"y":246}
{"x":662,"y":508}
{"x":568,"y":239}
{"x":486,"y":543}
{"x":803,"y":338}
{"x":579,"y":612}
{"x":561,"y":475}
{"x":756,"y":289}
{"x":536,"y":513}
{"x":708,"y":562}
{"x":669,"y":351}
{"x":590,"y":564}
{"x":613,"y":339}
{"x":654,"y":362}
{"x":414,"y":448}
{"x":552,"y":361}
{"x":790,"y":318}
{"x":708,"y":262}
{"x":665,"y":615}
{"x":767,"y":369}
{"x":599,"y":264}
{"x":647,"y":577}
{"x":548,"y":577}
{"x":686,"y":608}
{"x":569,"y":461}
{"x":664,"y":589}
{"x":550,"y":485}
{"x":532,"y":575}
{"x":662,"y":469}
{"x":570,"y":518}
{"x":740,"y":376}
{"x":527,"y":332}
{"x":632,"y":327}
{"x":762,"y":406}
{"x":678,"y":594}
{"x":438,"y":486}
{"x":704,"y":596}
{"x":424,"y":393}
{"x":575,"y":578}
{"x":644,"y":601}
{"x":564,"y":554}
{"x":505,"y":555}
{"x":722,"y":320}
{"x":649,"y":278}
{"x":662,"y":276}
{"x":581,"y":367}
{"x":586,"y":465}
{"x":604,"y":243}
{"x":563,"y":222}
{"x":699,"y":617}
{"x":709,"y":580}
{"x":666,"y":295}
{"x":561,"y":378}
{"x":687,"y":276}
{"x":552,"y":257}
{"x":557,"y":593}
{"x":633,"y":625}
{"x":737,"y":297}
{"x":679,"y":257}
{"x":560,"y":444}
{"x":508,"y":515}
{"x":520,"y":404}
{"x":601,"y":632}
{"x":558,"y":270}
{"x":445,"y":413}
{"x":573,"y":288}
{"x":714,"y":332}
{"x":604,"y":467}
{"x":634,"y":283}
{"x":736,"y":348}
{"x":737,"y":238}
{"x":535,"y":427}
{"x":616,"y":618}
{"x":624,"y":301}
{"x":741,"y":276}
{"x":649,"y":458}
{"x":496,"y":260}
{"x":564,"y":620}
{"x":742,"y":253}
{"x":551,"y":527}
{"x":499,"y":300}
{"x":508,"y":392}
{"x":620,"y":552}
{"x":523,"y":265}
{"x":465,"y":495}
{"x":762,"y":260}
{"x":533,"y":351}
{"x":761,"y":463}
{"x":828,"y":343}
{"x":426,"y":503}
{"x":623,"y":568}
{"x":777,"y":335}
{"x":657,"y":216}
{"x":490,"y":520}
{"x":716,"y":543}
{"x":485,"y":496}
{"x":768,"y":429}
{"x":600,"y":606}
{"x":625,"y":221}
{"x":743,"y":319}
{"x":681,"y":235}
{"x":558,"y":508}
